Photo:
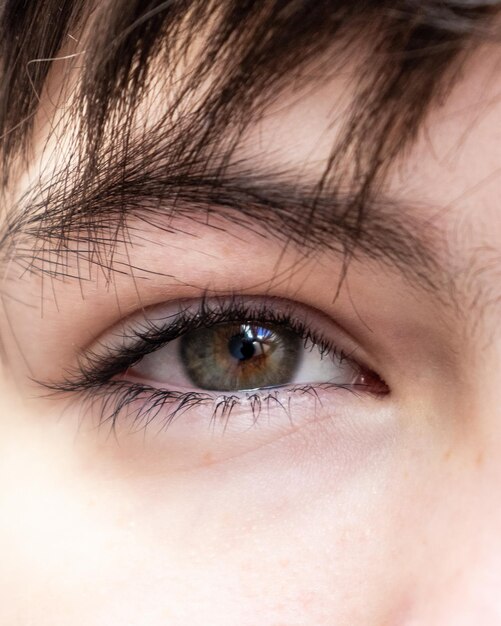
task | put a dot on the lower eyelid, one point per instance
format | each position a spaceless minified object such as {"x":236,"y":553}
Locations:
{"x":139,"y":405}
{"x":184,"y":433}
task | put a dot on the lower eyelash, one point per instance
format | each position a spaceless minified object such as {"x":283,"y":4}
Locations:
{"x":143,"y":405}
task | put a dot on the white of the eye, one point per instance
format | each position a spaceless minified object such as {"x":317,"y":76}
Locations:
{"x":164,"y":368}
{"x":317,"y":368}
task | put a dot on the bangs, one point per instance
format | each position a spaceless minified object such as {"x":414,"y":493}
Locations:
{"x":248,"y":49}
{"x":216,"y":65}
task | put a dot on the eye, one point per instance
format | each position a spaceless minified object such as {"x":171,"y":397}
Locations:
{"x":211,"y":356}
{"x":245,"y":356}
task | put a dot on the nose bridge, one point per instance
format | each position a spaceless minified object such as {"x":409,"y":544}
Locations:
{"x":463,"y":575}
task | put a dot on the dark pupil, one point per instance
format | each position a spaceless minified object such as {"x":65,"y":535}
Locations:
{"x":242,"y":348}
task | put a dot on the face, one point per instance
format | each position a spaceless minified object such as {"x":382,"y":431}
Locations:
{"x":233,"y":428}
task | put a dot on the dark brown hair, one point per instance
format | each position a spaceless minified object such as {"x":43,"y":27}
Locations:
{"x":406,"y":54}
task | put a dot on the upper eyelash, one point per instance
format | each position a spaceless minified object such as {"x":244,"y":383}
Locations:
{"x":98,"y":368}
{"x":94,"y":378}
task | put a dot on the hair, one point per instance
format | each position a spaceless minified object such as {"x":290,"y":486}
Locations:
{"x":218,"y":64}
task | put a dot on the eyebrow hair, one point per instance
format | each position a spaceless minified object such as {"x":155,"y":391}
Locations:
{"x":271,"y":205}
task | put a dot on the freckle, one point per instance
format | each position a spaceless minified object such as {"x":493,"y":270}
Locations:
{"x":448,"y":454}
{"x":480,"y":459}
{"x":208,"y":459}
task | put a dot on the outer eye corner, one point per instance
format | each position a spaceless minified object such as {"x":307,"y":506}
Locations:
{"x":373,"y":381}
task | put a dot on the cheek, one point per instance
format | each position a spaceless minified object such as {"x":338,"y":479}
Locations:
{"x":271,"y":535}
{"x":318,"y":527}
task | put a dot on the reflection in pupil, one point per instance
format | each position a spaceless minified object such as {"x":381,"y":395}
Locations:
{"x":241,"y":348}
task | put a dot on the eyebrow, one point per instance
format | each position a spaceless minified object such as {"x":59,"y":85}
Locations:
{"x":273,"y":206}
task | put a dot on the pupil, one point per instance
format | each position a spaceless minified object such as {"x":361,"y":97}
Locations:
{"x":241,"y":348}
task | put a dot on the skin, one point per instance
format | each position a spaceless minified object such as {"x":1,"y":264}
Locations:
{"x":358,"y":510}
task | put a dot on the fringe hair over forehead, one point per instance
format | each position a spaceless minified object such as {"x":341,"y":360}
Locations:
{"x":254,"y":43}
{"x":248,"y":50}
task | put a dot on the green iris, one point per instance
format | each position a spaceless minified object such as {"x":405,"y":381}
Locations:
{"x":235,"y":357}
